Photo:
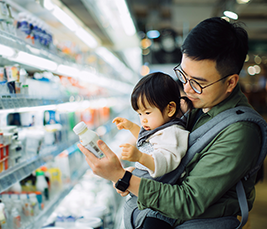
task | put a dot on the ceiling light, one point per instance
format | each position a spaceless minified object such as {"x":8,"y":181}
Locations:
{"x":226,"y":18}
{"x":251,"y":70}
{"x":257,"y":69}
{"x":257,"y":59}
{"x":86,"y":37}
{"x":64,"y":18}
{"x":242,"y":1}
{"x":49,"y":5}
{"x":114,"y":62}
{"x":144,"y":70}
{"x":230,"y":14}
{"x":152,"y":34}
{"x":145,"y":43}
{"x":126,"y":18}
{"x":247,"y":58}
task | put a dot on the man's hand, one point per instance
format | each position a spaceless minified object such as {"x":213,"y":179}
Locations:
{"x":108,"y":167}
{"x":130,"y":153}
{"x":122,"y":123}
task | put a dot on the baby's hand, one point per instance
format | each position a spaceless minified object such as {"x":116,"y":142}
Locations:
{"x":122,"y":123}
{"x":130,"y":153}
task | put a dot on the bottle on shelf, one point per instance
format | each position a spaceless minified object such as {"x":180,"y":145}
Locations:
{"x":26,"y":208}
{"x":34,"y":209}
{"x":15,"y":213}
{"x":41,"y":184}
{"x":3,"y":218}
{"x":7,"y":208}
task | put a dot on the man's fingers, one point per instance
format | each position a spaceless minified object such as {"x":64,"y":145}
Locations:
{"x":89,"y":157}
{"x":85,"y":151}
{"x":105,"y":149}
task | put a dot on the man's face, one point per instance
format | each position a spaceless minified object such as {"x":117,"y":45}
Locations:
{"x":204,"y":72}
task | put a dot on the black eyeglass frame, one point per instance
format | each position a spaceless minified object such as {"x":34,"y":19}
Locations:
{"x":180,"y":70}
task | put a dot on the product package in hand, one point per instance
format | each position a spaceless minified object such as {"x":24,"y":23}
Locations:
{"x":88,"y":139}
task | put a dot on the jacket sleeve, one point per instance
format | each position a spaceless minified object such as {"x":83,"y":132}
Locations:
{"x":210,"y":175}
{"x":169,"y":145}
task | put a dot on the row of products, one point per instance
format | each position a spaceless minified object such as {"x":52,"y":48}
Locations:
{"x":94,"y":117}
{"x":10,"y":147}
{"x":25,"y":26}
{"x":11,"y":81}
{"x":20,"y":205}
{"x":6,"y":18}
{"x":29,"y":134}
{"x":25,"y":135}
{"x":92,"y":204}
{"x":26,"y":199}
{"x":33,"y":30}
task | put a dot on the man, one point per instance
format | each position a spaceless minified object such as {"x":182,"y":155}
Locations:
{"x":213,"y":56}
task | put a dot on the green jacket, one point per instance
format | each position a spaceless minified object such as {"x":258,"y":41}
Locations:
{"x":208,"y":188}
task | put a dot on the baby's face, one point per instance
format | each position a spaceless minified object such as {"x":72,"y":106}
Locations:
{"x":150,"y":116}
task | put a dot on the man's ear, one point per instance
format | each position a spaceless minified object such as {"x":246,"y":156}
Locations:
{"x":171,"y":108}
{"x":232,"y":82}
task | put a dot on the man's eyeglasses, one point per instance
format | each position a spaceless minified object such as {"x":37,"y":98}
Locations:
{"x":194,"y":84}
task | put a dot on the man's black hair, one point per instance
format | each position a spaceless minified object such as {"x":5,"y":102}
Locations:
{"x":218,"y":40}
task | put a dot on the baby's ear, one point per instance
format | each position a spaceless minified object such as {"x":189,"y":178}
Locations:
{"x":171,"y":108}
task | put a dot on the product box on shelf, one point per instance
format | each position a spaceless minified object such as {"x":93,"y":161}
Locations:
{"x":63,"y":163}
{"x":4,"y":153}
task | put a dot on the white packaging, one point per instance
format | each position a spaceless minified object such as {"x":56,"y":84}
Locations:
{"x":93,"y":222}
{"x":95,"y":211}
{"x":3,"y":219}
{"x":88,"y":139}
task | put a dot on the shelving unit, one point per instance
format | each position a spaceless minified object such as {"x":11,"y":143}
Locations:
{"x":18,"y":44}
{"x":22,"y":170}
{"x":47,"y":153}
{"x":15,"y":102}
{"x":18,"y":101}
{"x":55,"y":200}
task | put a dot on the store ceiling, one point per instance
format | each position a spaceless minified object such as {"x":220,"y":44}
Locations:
{"x":178,"y":15}
{"x":183,"y":15}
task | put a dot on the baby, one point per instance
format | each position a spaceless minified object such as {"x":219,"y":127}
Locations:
{"x":162,"y":140}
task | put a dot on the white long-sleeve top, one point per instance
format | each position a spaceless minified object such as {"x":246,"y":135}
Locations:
{"x":169,"y":145}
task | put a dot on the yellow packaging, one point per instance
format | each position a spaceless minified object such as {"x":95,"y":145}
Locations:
{"x":55,"y":177}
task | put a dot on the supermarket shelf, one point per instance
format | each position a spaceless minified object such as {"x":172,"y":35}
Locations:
{"x":23,"y":169}
{"x":51,"y":206}
{"x":13,"y":101}
{"x":17,"y":43}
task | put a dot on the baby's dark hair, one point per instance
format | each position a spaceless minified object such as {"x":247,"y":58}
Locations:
{"x":159,"y":89}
